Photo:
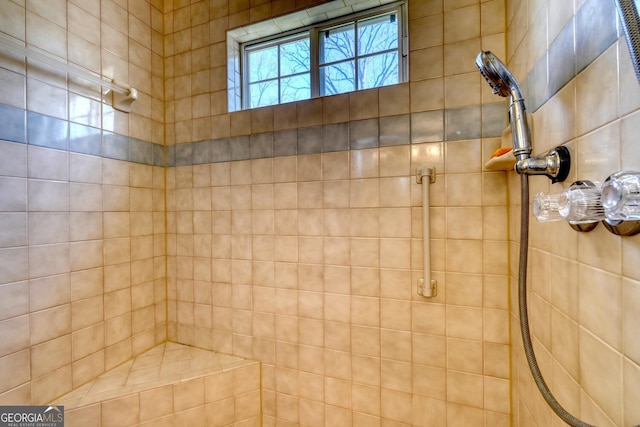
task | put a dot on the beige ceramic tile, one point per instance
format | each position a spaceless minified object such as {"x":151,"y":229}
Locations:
{"x":426,"y":31}
{"x":627,"y":86}
{"x":48,"y":260}
{"x":427,"y":95}
{"x":86,"y":312}
{"x":15,"y":164}
{"x":83,"y":416}
{"x":364,"y":163}
{"x":46,"y":388}
{"x":462,"y":90}
{"x":188,"y":395}
{"x":629,"y":298}
{"x":394,"y":100}
{"x":603,"y":108}
{"x":426,"y":63}
{"x":363,"y":104}
{"x":336,"y":195}
{"x":429,"y":382}
{"x":48,"y":228}
{"x":459,"y":386}
{"x":630,"y":375}
{"x":396,"y":406}
{"x":605,"y":389}
{"x":48,"y":164}
{"x":285,"y":169}
{"x":335,"y":165}
{"x":46,"y":195}
{"x":85,"y":197}
{"x":395,"y":253}
{"x":220,"y":412}
{"x":285,"y":117}
{"x":309,"y":113}
{"x":335,"y":109}
{"x":40,"y":18}
{"x":461,"y":24}
{"x":365,"y":311}
{"x":120,"y":411}
{"x":13,"y":19}
{"x":16,"y":299}
{"x":394,"y":161}
{"x":602,"y":319}
{"x":87,"y":169}
{"x":395,"y":222}
{"x":16,"y":330}
{"x":50,"y":323}
{"x":87,"y":342}
{"x":15,"y":369}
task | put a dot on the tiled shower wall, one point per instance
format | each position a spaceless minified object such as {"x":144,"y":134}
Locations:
{"x":294,"y":232}
{"x":82,"y":214}
{"x":584,"y":289}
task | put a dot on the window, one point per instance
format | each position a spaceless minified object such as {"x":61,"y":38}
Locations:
{"x":359,"y":55}
{"x":359,"y":51}
{"x":278,"y":71}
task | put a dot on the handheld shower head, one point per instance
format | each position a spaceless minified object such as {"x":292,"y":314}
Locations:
{"x":504,"y":84}
{"x":497,"y":75}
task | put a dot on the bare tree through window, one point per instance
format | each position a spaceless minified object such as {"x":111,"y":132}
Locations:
{"x":360,"y":54}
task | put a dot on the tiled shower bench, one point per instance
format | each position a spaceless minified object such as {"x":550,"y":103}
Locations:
{"x":171,"y":385}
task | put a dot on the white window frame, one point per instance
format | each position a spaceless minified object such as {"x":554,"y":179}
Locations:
{"x":262,"y":44}
{"x":242,"y":99}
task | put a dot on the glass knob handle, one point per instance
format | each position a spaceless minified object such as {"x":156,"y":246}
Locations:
{"x":578,"y":204}
{"x":581,"y":204}
{"x":621,"y":196}
{"x":546,"y":207}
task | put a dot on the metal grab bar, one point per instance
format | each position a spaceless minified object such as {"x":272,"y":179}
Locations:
{"x":123,"y":95}
{"x":427,"y":287}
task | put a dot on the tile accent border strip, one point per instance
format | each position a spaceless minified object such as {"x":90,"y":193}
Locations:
{"x":25,"y":127}
{"x":486,"y":121}
{"x":479,"y":121}
{"x":569,"y":55}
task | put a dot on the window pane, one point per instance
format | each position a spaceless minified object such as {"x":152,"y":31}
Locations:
{"x":377,"y":34}
{"x":378,"y":70}
{"x":337,"y":78}
{"x":295,"y":88}
{"x":263,"y":94}
{"x":294,"y":57}
{"x":337,"y":44}
{"x":263,"y":64}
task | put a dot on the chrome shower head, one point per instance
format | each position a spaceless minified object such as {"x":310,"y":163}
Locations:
{"x":504,"y":84}
{"x":497,"y":75}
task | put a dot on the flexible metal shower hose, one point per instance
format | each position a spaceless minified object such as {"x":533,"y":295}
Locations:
{"x":524,"y":316}
{"x":629,"y":15}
